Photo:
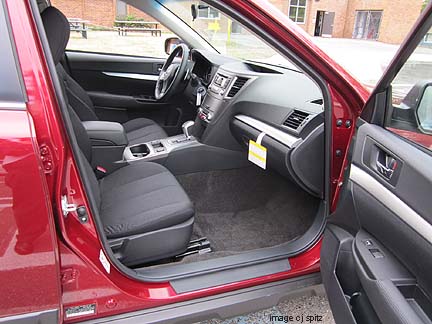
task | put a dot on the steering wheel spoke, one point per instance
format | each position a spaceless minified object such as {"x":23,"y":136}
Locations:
{"x":172,"y":72}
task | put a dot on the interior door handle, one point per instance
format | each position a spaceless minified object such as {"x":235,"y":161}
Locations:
{"x":384,"y":170}
{"x":386,"y":165}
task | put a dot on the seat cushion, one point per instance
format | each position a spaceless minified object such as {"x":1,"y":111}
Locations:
{"x":140,"y":198}
{"x":142,"y":130}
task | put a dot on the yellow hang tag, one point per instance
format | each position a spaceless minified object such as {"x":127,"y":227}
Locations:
{"x":257,"y":154}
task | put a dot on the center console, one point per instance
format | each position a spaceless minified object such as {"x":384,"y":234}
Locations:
{"x":217,"y":91}
{"x":108,"y":140}
{"x":159,"y":149}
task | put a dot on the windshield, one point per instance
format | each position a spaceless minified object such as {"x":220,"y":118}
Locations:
{"x":226,"y":35}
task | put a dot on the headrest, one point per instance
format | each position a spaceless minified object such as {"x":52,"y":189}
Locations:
{"x":57,"y":31}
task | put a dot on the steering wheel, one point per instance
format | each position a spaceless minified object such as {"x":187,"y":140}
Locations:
{"x":172,"y":72}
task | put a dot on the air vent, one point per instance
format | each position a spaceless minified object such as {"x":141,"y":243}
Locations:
{"x":295,"y":119}
{"x":317,"y":101}
{"x":238,"y":84}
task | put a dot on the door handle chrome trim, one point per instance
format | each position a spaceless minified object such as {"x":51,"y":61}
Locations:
{"x":136,"y":76}
{"x":384,"y":170}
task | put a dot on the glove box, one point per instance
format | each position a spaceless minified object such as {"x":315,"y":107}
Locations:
{"x":302,"y":162}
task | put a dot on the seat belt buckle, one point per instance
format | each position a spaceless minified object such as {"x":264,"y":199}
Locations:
{"x":100,"y":172}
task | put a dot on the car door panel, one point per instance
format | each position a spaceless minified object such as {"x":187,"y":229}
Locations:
{"x":386,"y":255}
{"x":122,"y":87}
{"x":118,"y":74}
{"x":121,"y":108}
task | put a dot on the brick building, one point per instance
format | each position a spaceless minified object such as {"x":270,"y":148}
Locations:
{"x":384,"y":20}
{"x":98,"y":12}
{"x":388,"y":21}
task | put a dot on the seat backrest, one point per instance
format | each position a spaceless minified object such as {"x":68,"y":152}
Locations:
{"x":58,"y":31}
{"x":77,"y":96}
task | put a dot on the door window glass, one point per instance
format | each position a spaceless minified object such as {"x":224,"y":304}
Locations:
{"x":224,"y":34}
{"x":122,"y":29}
{"x":411,"y":109}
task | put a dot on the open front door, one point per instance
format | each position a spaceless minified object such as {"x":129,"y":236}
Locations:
{"x":376,"y":257}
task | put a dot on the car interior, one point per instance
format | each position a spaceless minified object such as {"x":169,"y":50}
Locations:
{"x":204,"y":169}
{"x":168,"y":163}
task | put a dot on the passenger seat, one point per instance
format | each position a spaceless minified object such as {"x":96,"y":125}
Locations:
{"x":145,"y":213}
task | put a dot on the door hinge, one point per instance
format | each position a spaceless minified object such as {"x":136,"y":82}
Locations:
{"x":46,"y":158}
{"x":66,"y":207}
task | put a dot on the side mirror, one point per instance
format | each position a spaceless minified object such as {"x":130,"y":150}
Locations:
{"x":419,"y":101}
{"x":424,"y":110}
{"x":171,"y":43}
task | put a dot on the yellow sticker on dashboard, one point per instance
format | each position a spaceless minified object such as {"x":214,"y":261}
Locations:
{"x":257,"y":154}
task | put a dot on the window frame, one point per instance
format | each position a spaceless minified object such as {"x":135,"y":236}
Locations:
{"x":297,"y":7}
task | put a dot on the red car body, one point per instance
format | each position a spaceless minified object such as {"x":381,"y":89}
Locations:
{"x":48,"y":261}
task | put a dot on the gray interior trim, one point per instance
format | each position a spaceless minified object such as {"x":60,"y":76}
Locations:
{"x":9,"y":105}
{"x":170,"y":144}
{"x":230,"y":276}
{"x":284,"y":138}
{"x":224,"y":305}
{"x":42,"y":317}
{"x":136,"y":76}
{"x":392,"y":202}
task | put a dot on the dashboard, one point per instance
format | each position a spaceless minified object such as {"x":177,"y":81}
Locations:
{"x":202,"y":68}
{"x":243,"y":100}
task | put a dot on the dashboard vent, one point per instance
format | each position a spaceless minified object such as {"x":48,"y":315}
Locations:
{"x":238,"y":84}
{"x":295,"y":119}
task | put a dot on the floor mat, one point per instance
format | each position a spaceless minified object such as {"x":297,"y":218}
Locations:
{"x":246,"y":209}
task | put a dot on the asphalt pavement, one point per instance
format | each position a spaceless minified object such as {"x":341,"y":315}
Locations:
{"x":307,"y":309}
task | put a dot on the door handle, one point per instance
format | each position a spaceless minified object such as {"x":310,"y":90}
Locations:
{"x":383,"y":170}
{"x":386,"y":165}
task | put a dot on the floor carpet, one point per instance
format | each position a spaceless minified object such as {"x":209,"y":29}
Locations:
{"x":246,"y":209}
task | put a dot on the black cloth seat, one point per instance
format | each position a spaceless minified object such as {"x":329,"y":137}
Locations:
{"x":142,"y":130}
{"x":146,"y":214}
{"x":142,"y":197}
{"x":139,"y":130}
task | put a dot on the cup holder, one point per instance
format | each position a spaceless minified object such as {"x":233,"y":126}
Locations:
{"x":140,"y":150}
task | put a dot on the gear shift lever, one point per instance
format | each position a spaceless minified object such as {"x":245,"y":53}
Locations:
{"x":185,"y":127}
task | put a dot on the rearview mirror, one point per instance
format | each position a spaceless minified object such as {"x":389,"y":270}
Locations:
{"x":194,"y":12}
{"x":171,"y":43}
